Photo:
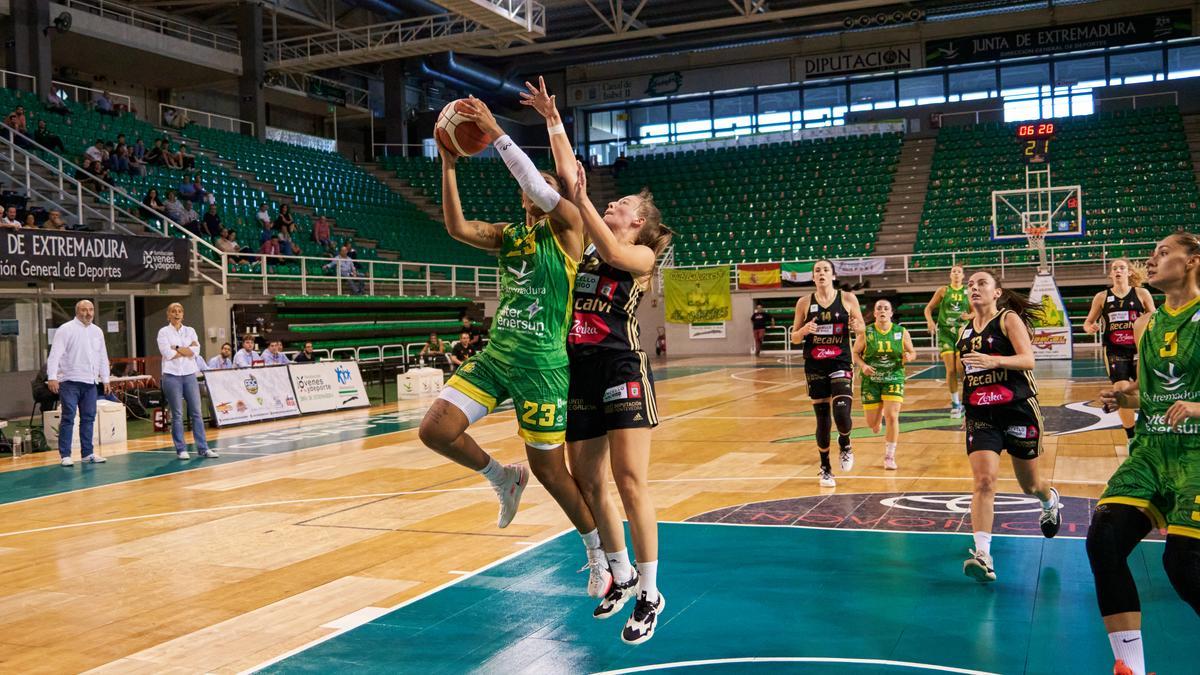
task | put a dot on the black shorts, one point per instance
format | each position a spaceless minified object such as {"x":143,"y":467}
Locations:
{"x":829,"y":380}
{"x":1014,"y":427}
{"x":1120,"y":365}
{"x":610,"y":390}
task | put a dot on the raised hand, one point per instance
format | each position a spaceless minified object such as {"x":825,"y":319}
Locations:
{"x":539,"y":99}
{"x":478,"y":112}
{"x":580,"y":193}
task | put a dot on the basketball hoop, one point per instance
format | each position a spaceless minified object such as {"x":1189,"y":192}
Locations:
{"x":1036,"y":235}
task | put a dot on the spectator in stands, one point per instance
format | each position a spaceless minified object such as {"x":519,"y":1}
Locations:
{"x":285,"y":219}
{"x":307,"y":355}
{"x":152,"y":206}
{"x":85,"y":176}
{"x":54,"y":221}
{"x":155,"y":155}
{"x":186,"y":159}
{"x":285,"y":240}
{"x":189,"y":219}
{"x":620,"y":165}
{"x":321,"y":232}
{"x":101,"y":173}
{"x":174,"y":207}
{"x":77,"y":365}
{"x":344,"y":267}
{"x":171,"y":158}
{"x":179,"y":346}
{"x":246,"y":356}
{"x":10,"y":221}
{"x":177,"y":119}
{"x":119,"y":156}
{"x":187,"y":189}
{"x":97,"y":152}
{"x":224,"y":360}
{"x":30,"y":220}
{"x":56,"y":104}
{"x":462,"y":350}
{"x":138,"y":151}
{"x":200,"y":195}
{"x":103,"y":104}
{"x":265,"y":233}
{"x":46,"y":139}
{"x":264,"y":216}
{"x":17,"y":123}
{"x":434,"y":350}
{"x":270,"y":246}
{"x":211,"y":224}
{"x":474,"y":331}
{"x":228,"y":243}
{"x":274,"y":355}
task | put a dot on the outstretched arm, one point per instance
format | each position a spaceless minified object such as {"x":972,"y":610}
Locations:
{"x":539,"y":99}
{"x":636,"y":259}
{"x":477,"y":233}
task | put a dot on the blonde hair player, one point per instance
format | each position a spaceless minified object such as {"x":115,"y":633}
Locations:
{"x":526,"y":357}
{"x":880,"y":353}
{"x":1002,"y":411}
{"x":824,"y":320}
{"x":953,"y":312}
{"x":611,"y":401}
{"x":1159,"y":484}
{"x":1113,"y":314}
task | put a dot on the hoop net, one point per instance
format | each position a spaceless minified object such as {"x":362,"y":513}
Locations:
{"x":1036,"y":235}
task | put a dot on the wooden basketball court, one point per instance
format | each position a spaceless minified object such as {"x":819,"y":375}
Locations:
{"x":310,"y":528}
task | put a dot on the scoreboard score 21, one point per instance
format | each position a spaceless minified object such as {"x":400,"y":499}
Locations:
{"x":1035,"y":139}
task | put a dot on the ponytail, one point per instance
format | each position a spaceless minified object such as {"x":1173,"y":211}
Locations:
{"x":653,"y":234}
{"x":1016,"y":303}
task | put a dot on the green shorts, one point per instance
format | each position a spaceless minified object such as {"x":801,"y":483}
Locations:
{"x":539,"y":396}
{"x":947,"y":338}
{"x":875,"y":393}
{"x":1162,"y":477}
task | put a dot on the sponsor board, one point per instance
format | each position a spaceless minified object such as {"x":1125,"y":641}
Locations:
{"x":902,"y":57}
{"x":1052,"y":330}
{"x":250,"y":394}
{"x":30,"y":254}
{"x":706,"y":331}
{"x":329,"y":385}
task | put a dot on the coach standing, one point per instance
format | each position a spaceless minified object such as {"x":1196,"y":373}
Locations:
{"x":179,"y":345}
{"x":78,"y":362}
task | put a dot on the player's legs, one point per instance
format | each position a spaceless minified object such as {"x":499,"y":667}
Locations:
{"x":891,"y":416}
{"x":1114,"y":532}
{"x":1022,"y":428}
{"x":954,"y":369}
{"x":1122,"y":368}
{"x":842,"y":388}
{"x":631,"y":467}
{"x":549,"y":465}
{"x":443,"y":430}
{"x":588,"y":464}
{"x":983,"y":448}
{"x":822,"y":397}
{"x":1181,"y":560}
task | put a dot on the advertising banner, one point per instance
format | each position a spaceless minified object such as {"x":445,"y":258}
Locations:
{"x":323,"y":386}
{"x":698,"y":295}
{"x":1127,"y":30}
{"x":1052,"y":329}
{"x":250,"y":394}
{"x":859,"y":267}
{"x":903,"y":57}
{"x":57,"y":255}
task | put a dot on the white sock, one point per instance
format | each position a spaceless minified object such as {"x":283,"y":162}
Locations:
{"x":618,"y":562}
{"x":493,"y":472}
{"x":889,"y":448}
{"x":956,"y":398}
{"x":591,"y":539}
{"x":983,"y":542}
{"x":1049,"y":504}
{"x":649,"y":579}
{"x":1127,"y":646}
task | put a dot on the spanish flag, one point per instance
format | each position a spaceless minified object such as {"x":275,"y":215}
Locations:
{"x":758,"y":276}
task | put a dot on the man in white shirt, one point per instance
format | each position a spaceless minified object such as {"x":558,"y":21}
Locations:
{"x":274,"y":355}
{"x":224,"y":360}
{"x":9,"y":220}
{"x":179,"y":345}
{"x":246,"y":356}
{"x":78,"y":362}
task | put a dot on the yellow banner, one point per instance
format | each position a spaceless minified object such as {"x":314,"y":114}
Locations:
{"x":697,"y":295}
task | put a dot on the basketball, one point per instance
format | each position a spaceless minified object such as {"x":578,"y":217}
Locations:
{"x":457,"y":134}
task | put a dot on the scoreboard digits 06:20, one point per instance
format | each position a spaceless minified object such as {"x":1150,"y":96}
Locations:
{"x":1035,"y":140}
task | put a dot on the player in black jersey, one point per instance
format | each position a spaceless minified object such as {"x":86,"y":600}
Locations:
{"x":1113,"y":313}
{"x":1002,"y":410}
{"x":824,"y":321}
{"x":611,"y":404}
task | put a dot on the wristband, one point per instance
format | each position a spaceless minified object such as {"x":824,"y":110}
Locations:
{"x":557,"y":129}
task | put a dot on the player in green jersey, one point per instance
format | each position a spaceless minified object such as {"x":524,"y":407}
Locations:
{"x":1159,"y":484}
{"x":526,"y":356}
{"x":953,"y":311}
{"x":880,"y":353}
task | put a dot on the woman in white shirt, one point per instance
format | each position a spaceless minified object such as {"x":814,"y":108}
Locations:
{"x":179,"y":345}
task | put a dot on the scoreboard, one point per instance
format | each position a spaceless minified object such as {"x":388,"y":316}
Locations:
{"x":1036,"y":139}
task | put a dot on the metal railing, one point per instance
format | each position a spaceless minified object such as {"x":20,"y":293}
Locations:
{"x":8,"y":77}
{"x":378,"y":277}
{"x":75,"y":92}
{"x":402,"y":150}
{"x":301,"y":85}
{"x":64,"y":187}
{"x":1065,"y":257}
{"x":157,"y":23}
{"x":204,"y":118}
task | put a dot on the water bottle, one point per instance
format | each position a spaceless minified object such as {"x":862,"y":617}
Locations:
{"x":17,"y":449}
